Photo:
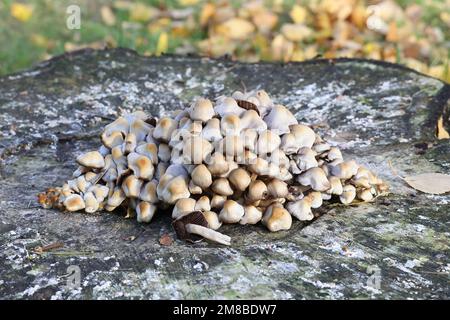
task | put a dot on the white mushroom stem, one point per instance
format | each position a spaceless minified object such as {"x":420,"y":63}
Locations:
{"x":208,"y":234}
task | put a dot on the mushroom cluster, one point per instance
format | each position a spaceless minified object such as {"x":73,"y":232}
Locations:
{"x":242,"y":159}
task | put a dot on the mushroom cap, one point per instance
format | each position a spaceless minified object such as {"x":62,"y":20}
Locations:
{"x":348,"y":194}
{"x":115,"y":138}
{"x":74,"y":202}
{"x":201,"y":176}
{"x":277,"y":188}
{"x":164,"y":129}
{"x":231,"y":212}
{"x":228,"y":105}
{"x":211,"y":131}
{"x":217,"y":201}
{"x":316,"y":178}
{"x":277,"y":218}
{"x":132,"y":186}
{"x":239,"y":178}
{"x":213,"y":220}
{"x":217,"y":164}
{"x":203,"y":204}
{"x":345,"y":170}
{"x":257,"y":190}
{"x":268,"y":141}
{"x":222,"y":186}
{"x":115,"y":199}
{"x":289,"y":144}
{"x":176,"y":189}
{"x":252,"y":215}
{"x":230,"y":124}
{"x":301,"y":209}
{"x":306,"y":159}
{"x":250,"y":119}
{"x":182,"y":207}
{"x":91,"y":202}
{"x":196,"y":150}
{"x":304,"y":135}
{"x":91,"y":159}
{"x":202,"y":110}
{"x":141,"y":166}
{"x":279,"y":119}
{"x":148,"y":192}
{"x":145,"y":211}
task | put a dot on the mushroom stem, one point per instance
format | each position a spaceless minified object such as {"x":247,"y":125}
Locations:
{"x":208,"y":234}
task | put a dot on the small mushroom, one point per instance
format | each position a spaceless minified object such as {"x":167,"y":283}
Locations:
{"x":228,"y":105}
{"x":115,"y":199}
{"x":306,"y":159}
{"x":164,"y":129}
{"x":364,"y":194}
{"x":222,"y":186}
{"x":164,"y":152}
{"x":217,"y":164}
{"x":301,"y":209}
{"x":201,"y":176}
{"x":150,"y":150}
{"x":348,"y":194}
{"x":148,"y":192}
{"x":277,"y":188}
{"x":116,"y":138}
{"x":239,"y":178}
{"x":132,"y":186}
{"x":268,"y":141}
{"x":345,"y":170}
{"x":203,"y":204}
{"x":196,"y":150}
{"x":335,"y":186}
{"x":145,"y":211}
{"x":231,"y":212}
{"x":183,"y":207}
{"x":251,"y":120}
{"x":130,"y":143}
{"x":217,"y":201}
{"x":194,"y":189}
{"x":304,"y":136}
{"x":277,"y":218}
{"x":91,"y":202}
{"x":316,"y":178}
{"x":252,"y":215}
{"x":202,"y":110}
{"x":211,"y":132}
{"x":289,"y":144}
{"x":175,"y":189}
{"x":249,"y":138}
{"x":213,"y":220}
{"x":230,"y":125}
{"x":257,"y":190}
{"x":334,"y":153}
{"x":279,"y":119}
{"x":74,"y":202}
{"x":141,"y":166}
{"x":92,"y":159}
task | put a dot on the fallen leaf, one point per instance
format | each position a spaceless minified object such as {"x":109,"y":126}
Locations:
{"x":206,"y":13}
{"x":298,"y":14}
{"x":140,"y":12}
{"x":166,"y":240}
{"x":163,"y":44}
{"x":441,"y":133}
{"x":236,"y":29}
{"x":435,"y":183}
{"x":108,"y":16}
{"x":295,"y":32}
{"x":21,"y":12}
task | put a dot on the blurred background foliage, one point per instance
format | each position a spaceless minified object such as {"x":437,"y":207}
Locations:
{"x":411,"y":32}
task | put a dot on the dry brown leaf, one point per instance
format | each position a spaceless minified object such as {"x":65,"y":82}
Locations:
{"x":166,"y":240}
{"x":435,"y":183}
{"x":441,"y":133}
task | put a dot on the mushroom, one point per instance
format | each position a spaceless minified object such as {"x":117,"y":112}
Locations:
{"x":141,"y":166}
{"x":164,"y":153}
{"x":145,"y":211}
{"x":196,"y":224}
{"x":257,"y":190}
{"x":115,"y":199}
{"x":252,"y":215}
{"x":203,"y":204}
{"x":304,"y":136}
{"x":277,"y":188}
{"x":91,"y":202}
{"x":231,"y":212}
{"x":277,"y":218}
{"x":148,"y":192}
{"x":74,"y":202}
{"x":251,"y":120}
{"x":348,"y":194}
{"x":228,"y":105}
{"x":130,"y":143}
{"x":334,"y":153}
{"x":217,"y":164}
{"x":150,"y":150}
{"x":345,"y":170}
{"x":201,"y":110}
{"x":213,"y":219}
{"x":289,"y":144}
{"x":301,"y":209}
{"x":364,"y":194}
{"x":230,"y":125}
{"x":194,"y":189}
{"x":116,"y":138}
{"x":268,"y":141}
{"x":132,"y":186}
{"x":201,"y":176}
{"x":164,"y":129}
{"x":217,"y":201}
{"x":316,"y":178}
{"x":92,"y":159}
{"x":306,"y":159}
{"x":231,"y":146}
{"x":265,"y":103}
{"x":196,"y":149}
{"x":279,"y":119}
{"x":175,"y":189}
{"x":239,"y":178}
{"x":211,"y":131}
{"x":335,"y":186}
{"x":249,"y":137}
{"x":183,"y":207}
{"x":222,"y":186}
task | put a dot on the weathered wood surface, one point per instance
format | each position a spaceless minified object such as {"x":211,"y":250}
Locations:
{"x":375,"y":111}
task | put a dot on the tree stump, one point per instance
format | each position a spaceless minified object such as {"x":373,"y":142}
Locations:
{"x":396,"y":247}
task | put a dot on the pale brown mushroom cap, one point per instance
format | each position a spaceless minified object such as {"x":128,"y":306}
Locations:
{"x":141,"y":166}
{"x":267,"y":142}
{"x":148,"y":192}
{"x":92,"y":159}
{"x":301,"y":209}
{"x":115,"y":199}
{"x":348,"y":194}
{"x":145,"y":211}
{"x":239,"y":178}
{"x":222,"y":186}
{"x":164,"y":129}
{"x":202,"y":110}
{"x":201,"y":176}
{"x":183,"y":207}
{"x":304,"y":135}
{"x":277,"y":218}
{"x":231,"y":212}
{"x":230,"y":124}
{"x":203,"y":204}
{"x":257,"y":190}
{"x":176,"y":189}
{"x":252,"y":215}
{"x":132,"y":186}
{"x":217,"y":164}
{"x":277,"y":188}
{"x":213,"y":219}
{"x":279,"y":119}
{"x":316,"y":178}
{"x":345,"y":170}
{"x":74,"y":202}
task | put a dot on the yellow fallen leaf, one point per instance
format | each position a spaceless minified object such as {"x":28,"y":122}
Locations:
{"x":392,"y":34}
{"x":108,"y":16}
{"x":236,"y":29}
{"x":298,"y":14}
{"x":435,"y":183}
{"x":140,"y":12}
{"x":206,"y":13}
{"x":265,"y":21}
{"x":441,"y":133}
{"x":186,"y":3}
{"x":295,"y":32}
{"x":163,"y":44}
{"x":21,"y":12}
{"x":359,"y":16}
